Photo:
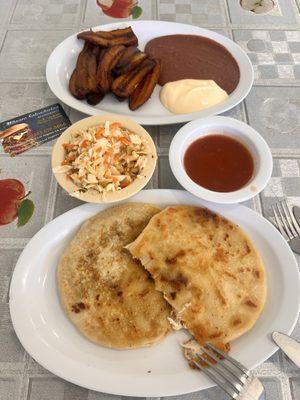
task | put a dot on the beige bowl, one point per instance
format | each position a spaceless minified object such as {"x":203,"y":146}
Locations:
{"x":58,"y":154}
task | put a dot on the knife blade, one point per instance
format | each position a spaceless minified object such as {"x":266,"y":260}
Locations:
{"x":289,"y":346}
{"x":296,"y":212}
{"x":295,"y":244}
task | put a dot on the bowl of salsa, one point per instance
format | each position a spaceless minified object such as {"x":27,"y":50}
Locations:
{"x":220,"y":159}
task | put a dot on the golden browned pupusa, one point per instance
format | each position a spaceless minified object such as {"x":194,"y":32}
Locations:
{"x":109,"y":296}
{"x":208,"y":270}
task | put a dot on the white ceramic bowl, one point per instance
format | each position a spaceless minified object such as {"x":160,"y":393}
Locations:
{"x":58,"y":155}
{"x":259,"y":149}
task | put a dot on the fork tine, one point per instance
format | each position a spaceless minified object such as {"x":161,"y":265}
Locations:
{"x":288,"y":219}
{"x":227,"y":389}
{"x":228,"y":358}
{"x":279,"y":223}
{"x":238,"y":379}
{"x":221,"y":372}
{"x":290,"y":235}
{"x":293,"y":219}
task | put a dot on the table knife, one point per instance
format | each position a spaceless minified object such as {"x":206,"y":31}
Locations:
{"x":296,"y":212}
{"x":289,"y":346}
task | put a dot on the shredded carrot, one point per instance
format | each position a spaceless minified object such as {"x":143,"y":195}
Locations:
{"x":68,"y":146}
{"x":106,"y":157}
{"x":114,"y":125}
{"x":85,"y":143}
{"x":70,"y":158}
{"x":124,"y":141}
{"x":113,"y":178}
{"x":109,"y":152}
{"x":99,"y":133}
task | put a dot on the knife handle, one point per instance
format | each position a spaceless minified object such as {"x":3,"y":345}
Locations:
{"x":255,"y":391}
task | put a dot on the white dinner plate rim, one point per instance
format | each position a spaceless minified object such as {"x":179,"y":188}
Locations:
{"x":242,"y":90}
{"x":161,"y":195}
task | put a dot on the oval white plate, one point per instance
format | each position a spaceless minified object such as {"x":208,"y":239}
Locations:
{"x":62,"y":61}
{"x":52,"y":340}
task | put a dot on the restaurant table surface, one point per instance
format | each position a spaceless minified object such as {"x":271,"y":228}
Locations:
{"x":29,"y":31}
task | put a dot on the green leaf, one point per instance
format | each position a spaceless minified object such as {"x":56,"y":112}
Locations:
{"x":25,"y":211}
{"x":136,"y":12}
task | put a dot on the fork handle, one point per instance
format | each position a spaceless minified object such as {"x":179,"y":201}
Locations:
{"x":255,"y":391}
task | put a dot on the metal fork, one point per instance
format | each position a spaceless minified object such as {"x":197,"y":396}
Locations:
{"x":287,"y":224}
{"x":230,"y":375}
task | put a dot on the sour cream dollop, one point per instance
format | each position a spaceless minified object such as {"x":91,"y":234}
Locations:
{"x":190,"y":95}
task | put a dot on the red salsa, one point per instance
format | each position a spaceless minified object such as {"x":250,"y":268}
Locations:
{"x":219,"y":163}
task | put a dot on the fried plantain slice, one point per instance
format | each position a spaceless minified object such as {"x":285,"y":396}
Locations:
{"x":143,"y":91}
{"x":124,"y":85}
{"x":73,"y":87}
{"x":84,"y":78}
{"x":86,"y":69}
{"x":115,"y":33}
{"x":135,"y":60}
{"x":126,"y":57}
{"x":106,"y":64}
{"x":79,"y":75}
{"x":124,"y":37}
{"x":91,"y":67}
{"x":94,"y":98}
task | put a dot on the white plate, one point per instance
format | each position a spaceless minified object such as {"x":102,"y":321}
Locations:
{"x":51,"y":339}
{"x":62,"y":61}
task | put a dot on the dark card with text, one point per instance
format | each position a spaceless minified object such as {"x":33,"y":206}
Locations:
{"x":30,"y":130}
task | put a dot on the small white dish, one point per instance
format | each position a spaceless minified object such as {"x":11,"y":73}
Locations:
{"x":263,"y":162}
{"x":58,"y":155}
{"x":62,"y":61}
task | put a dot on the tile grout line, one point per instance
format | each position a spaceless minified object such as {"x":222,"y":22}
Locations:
{"x":13,"y":9}
{"x":13,"y":243}
{"x":285,"y":386}
{"x":283,"y":27}
{"x":243,"y":109}
{"x":295,"y":6}
{"x":49,"y":28}
{"x":3,"y":41}
{"x":52,"y":28}
{"x":227,"y":12}
{"x":24,"y":387}
{"x":285,"y":153}
{"x":155,"y":176}
{"x":84,"y":8}
{"x":257,"y":204}
{"x":155,"y":10}
{"x":51,"y":200}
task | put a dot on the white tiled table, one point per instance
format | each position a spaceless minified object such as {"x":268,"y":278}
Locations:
{"x":29,"y":30}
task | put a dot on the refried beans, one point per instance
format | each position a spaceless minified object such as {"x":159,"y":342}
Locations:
{"x":194,"y":57}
